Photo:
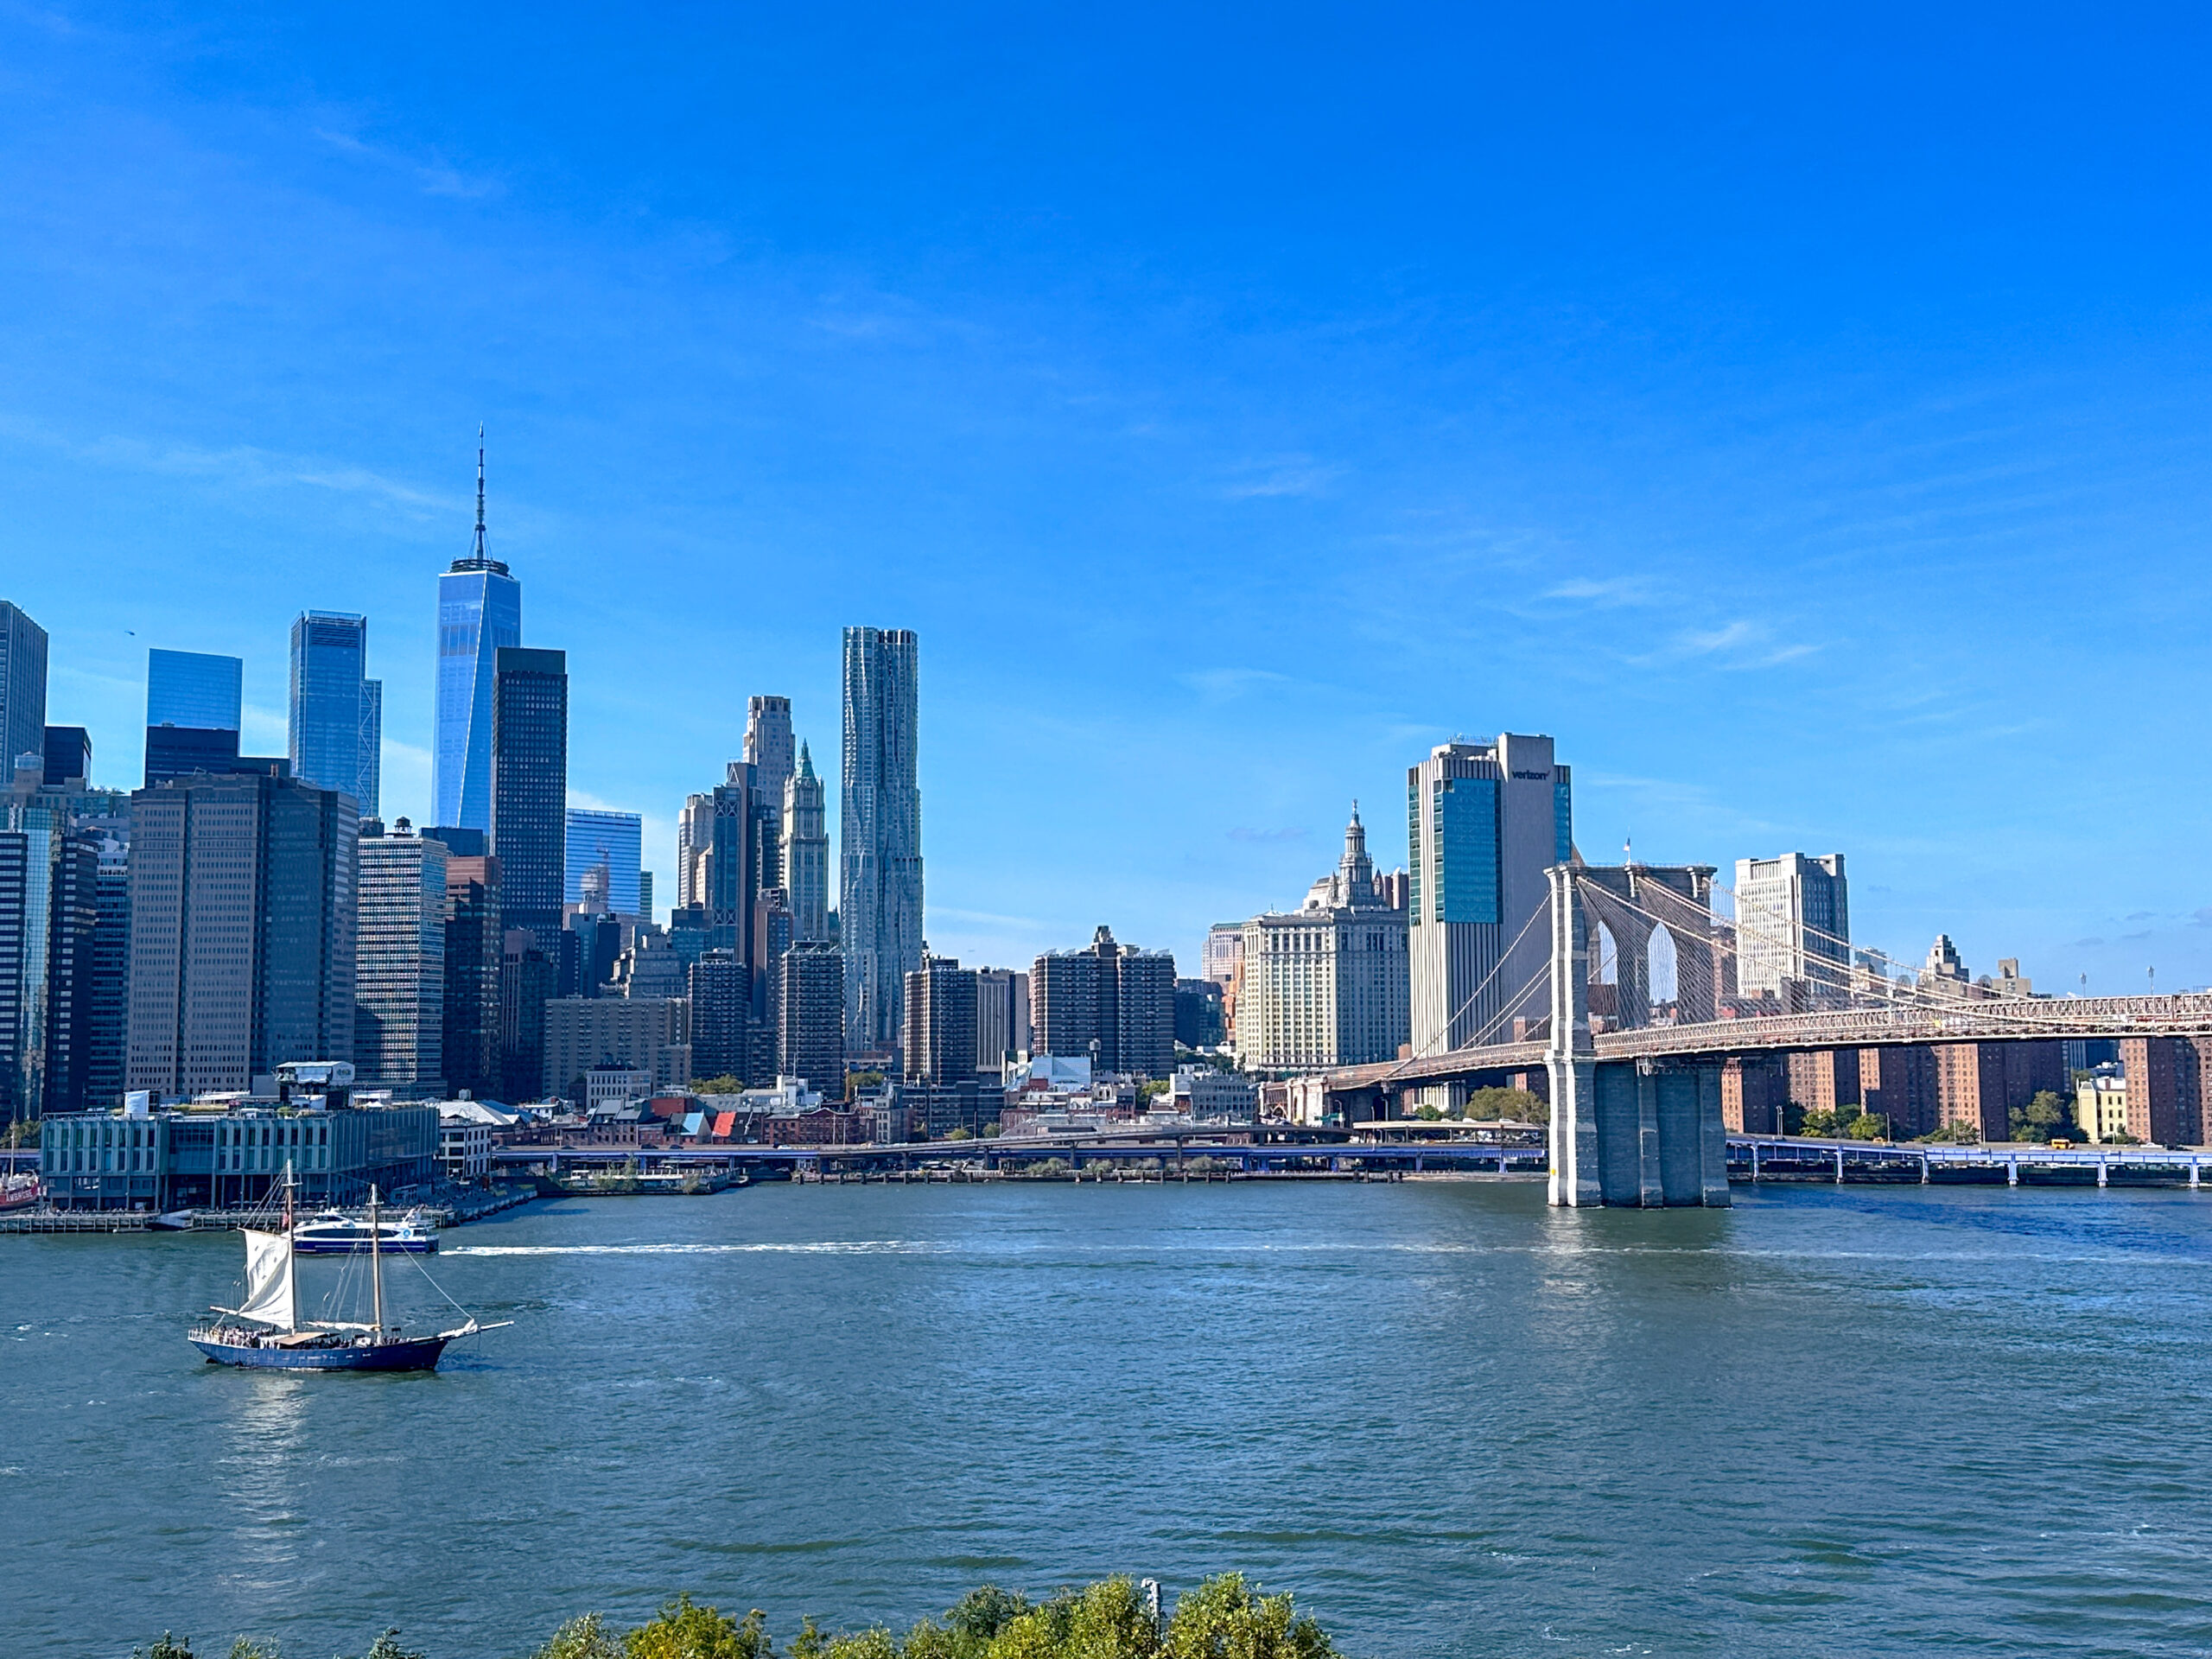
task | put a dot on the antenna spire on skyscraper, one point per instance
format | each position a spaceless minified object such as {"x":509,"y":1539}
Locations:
{"x":477,"y":551}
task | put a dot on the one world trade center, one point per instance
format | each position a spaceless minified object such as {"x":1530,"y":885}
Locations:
{"x":479,"y":610}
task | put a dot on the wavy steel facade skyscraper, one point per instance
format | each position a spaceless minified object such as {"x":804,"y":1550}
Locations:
{"x":879,"y":834}
{"x":479,"y":610}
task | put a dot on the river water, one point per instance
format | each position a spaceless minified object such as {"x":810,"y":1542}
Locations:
{"x":1836,"y":1420}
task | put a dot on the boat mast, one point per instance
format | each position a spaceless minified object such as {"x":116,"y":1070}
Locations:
{"x":291,"y":1258}
{"x":375,"y":1263}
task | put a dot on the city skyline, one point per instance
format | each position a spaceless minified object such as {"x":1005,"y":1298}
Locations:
{"x":1769,"y":484}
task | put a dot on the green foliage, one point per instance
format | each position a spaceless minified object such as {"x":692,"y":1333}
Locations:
{"x":1153,"y":1087}
{"x":858,"y":1082}
{"x":1226,"y":1618}
{"x":1428,"y":1113}
{"x":958,"y":1132}
{"x":1512,"y":1105}
{"x":582,"y":1638}
{"x":1222,"y":1619}
{"x":2044,"y":1117}
{"x":1869,"y":1126}
{"x":685,"y":1631}
{"x":724,"y":1084}
{"x":1954,"y":1135}
{"x":1817,"y":1121}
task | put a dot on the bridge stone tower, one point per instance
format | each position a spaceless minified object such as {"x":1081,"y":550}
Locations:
{"x":1639,"y":1133}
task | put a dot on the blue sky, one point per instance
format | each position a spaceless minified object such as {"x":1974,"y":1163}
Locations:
{"x":1804,"y":418}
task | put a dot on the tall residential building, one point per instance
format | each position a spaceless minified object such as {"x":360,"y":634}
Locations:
{"x":725,"y":845}
{"x":806,"y":851}
{"x":530,"y":785}
{"x":1002,"y":1018}
{"x":810,"y":1018}
{"x":337,"y":712}
{"x":1109,"y":1003}
{"x":939,"y":1044}
{"x":242,"y":916}
{"x":1483,"y":822}
{"x":1793,"y":930}
{"x":880,"y":834}
{"x":768,"y":747}
{"x":480,"y":614}
{"x":1326,"y":984}
{"x":399,"y":998}
{"x":529,"y":976}
{"x":721,"y":1016}
{"x":194,"y":704}
{"x":22,"y":688}
{"x":615,"y":840}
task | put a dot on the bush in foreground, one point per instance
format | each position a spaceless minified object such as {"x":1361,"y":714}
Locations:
{"x":1222,"y":1618}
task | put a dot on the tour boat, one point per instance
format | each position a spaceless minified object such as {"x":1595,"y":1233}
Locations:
{"x":265,"y":1330}
{"x":335,"y":1233}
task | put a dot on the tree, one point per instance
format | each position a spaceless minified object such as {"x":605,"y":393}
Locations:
{"x":1153,"y":1088}
{"x":724,"y":1084}
{"x":582,"y":1638}
{"x":857,"y":1081}
{"x":1507,"y":1105}
{"x":1225,"y":1619}
{"x":1817,"y":1120}
{"x":2043,"y":1118}
{"x":1961,"y":1133}
{"x":166,"y":1647}
{"x":1869,"y":1126}
{"x":387,"y":1646}
{"x":683,"y":1631}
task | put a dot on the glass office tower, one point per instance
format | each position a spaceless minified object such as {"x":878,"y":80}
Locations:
{"x":193,"y":689}
{"x":337,"y":712}
{"x":480,"y":611}
{"x":614,"y":839}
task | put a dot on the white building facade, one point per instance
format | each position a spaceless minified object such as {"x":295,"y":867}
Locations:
{"x":1326,"y":984}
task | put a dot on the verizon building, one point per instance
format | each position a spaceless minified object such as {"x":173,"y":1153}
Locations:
{"x":1483,"y":822}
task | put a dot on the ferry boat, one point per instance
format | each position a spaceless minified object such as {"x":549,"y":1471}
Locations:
{"x":265,"y":1330}
{"x":335,"y":1233}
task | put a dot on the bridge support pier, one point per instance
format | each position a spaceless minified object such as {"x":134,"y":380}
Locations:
{"x":1632,"y":1133}
{"x":2104,"y":1170}
{"x":2012,"y":1172}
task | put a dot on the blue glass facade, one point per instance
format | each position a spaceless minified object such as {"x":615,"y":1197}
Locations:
{"x":190,"y":689}
{"x":336,"y":711}
{"x":1467,"y":850}
{"x":1562,"y":816}
{"x":614,"y":839}
{"x":479,"y":610}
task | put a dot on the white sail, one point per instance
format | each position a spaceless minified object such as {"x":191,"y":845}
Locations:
{"x":269,"y":1292}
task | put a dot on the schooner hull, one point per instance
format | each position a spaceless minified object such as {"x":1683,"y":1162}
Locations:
{"x":415,"y":1354}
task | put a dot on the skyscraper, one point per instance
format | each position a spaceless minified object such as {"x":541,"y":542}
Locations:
{"x":1002,"y":1018}
{"x":768,"y":747}
{"x":530,"y":785}
{"x":614,"y":839}
{"x":1793,"y":929}
{"x":480,"y":614}
{"x":1326,"y":984}
{"x":806,"y":852}
{"x":474,"y":943}
{"x":337,"y":713}
{"x":242,"y":920}
{"x":880,"y":834}
{"x":399,"y":1008}
{"x":22,"y":688}
{"x":1483,"y":822}
{"x":193,"y":708}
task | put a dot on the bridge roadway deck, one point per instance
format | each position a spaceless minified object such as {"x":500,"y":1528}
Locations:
{"x":1997,"y":1020}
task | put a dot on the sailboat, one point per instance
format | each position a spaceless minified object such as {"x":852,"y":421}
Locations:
{"x":265,"y":1330}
